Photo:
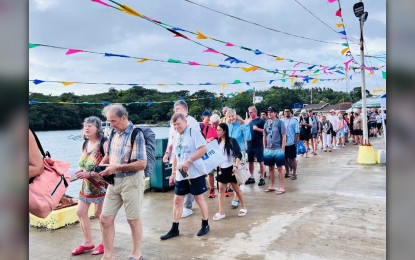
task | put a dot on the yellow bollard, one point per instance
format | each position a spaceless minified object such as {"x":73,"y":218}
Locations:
{"x":366,"y":155}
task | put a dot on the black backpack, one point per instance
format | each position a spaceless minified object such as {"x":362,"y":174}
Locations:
{"x":150,"y":141}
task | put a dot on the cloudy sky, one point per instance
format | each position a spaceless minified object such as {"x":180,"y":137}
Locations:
{"x":86,"y":25}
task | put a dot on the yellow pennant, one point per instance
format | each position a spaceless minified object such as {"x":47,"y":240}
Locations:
{"x":212,"y":64}
{"x":223,"y":86}
{"x":292,"y":80}
{"x":63,"y":103}
{"x":314,"y":81}
{"x":339,"y":25}
{"x":67,"y":83}
{"x":253,"y":68}
{"x":279,"y":58}
{"x":344,"y":50}
{"x":161,"y":84}
{"x":143,"y":60}
{"x":200,"y":36}
{"x":130,"y":11}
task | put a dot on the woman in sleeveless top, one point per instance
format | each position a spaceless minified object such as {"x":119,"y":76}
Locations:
{"x":93,"y":186}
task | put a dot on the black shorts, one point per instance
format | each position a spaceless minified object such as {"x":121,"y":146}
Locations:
{"x":305,"y":135}
{"x":314,"y":135}
{"x":196,"y":186}
{"x":379,"y":126}
{"x":257,"y":152}
{"x":333,"y":133}
{"x":290,"y":152}
{"x":225,"y":175}
{"x":357,"y":132}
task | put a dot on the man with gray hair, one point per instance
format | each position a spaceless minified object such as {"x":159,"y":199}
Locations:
{"x":180,"y":106}
{"x":127,"y":164}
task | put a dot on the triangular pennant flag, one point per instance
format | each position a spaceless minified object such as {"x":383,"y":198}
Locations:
{"x":212,"y":64}
{"x":339,"y":12}
{"x":211,"y":50}
{"x":384,"y":74}
{"x":311,"y":67}
{"x":178,"y":83}
{"x":332,"y":1}
{"x":200,"y":36}
{"x":33,"y":45}
{"x":298,"y":63}
{"x":246,"y":48}
{"x":174,"y":61}
{"x":149,"y":104}
{"x":271,"y":81}
{"x":279,"y":58}
{"x":292,"y":80}
{"x":344,"y":50}
{"x":229,"y":44}
{"x":283,"y":80}
{"x":253,"y":68}
{"x":33,"y":102}
{"x":100,"y":2}
{"x":257,"y":52}
{"x":107,"y":54}
{"x":345,"y":44}
{"x":371,"y":72}
{"x":237,"y":81}
{"x":130,"y":11}
{"x":192,"y":63}
{"x":67,"y":83}
{"x":72,"y":51}
{"x":223,"y":86}
{"x":314,"y":81}
{"x":247,"y":83}
{"x":342,"y":32}
{"x":177,"y":34}
{"x":37,"y":81}
{"x":143,"y":60}
{"x":339,"y":25}
{"x":306,"y":79}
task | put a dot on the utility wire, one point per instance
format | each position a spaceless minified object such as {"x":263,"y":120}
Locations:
{"x":317,"y":17}
{"x":262,"y":26}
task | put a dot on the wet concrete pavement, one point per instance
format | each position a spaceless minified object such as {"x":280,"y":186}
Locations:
{"x":336,"y":209}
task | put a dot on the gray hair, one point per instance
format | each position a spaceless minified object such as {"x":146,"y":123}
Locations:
{"x":214,"y":118}
{"x":97,"y":123}
{"x":253,"y":108}
{"x":181,"y":103}
{"x":177,"y":116}
{"x":118,"y":109}
{"x":230,"y":112}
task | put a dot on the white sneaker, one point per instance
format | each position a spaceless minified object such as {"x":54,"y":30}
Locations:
{"x":218,"y":216}
{"x":186,"y":212}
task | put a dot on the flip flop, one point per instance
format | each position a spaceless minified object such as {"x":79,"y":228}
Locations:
{"x":269,"y":190}
{"x":280,"y":192}
{"x":98,"y":250}
{"x":80,"y":249}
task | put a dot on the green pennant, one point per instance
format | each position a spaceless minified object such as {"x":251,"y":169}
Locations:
{"x":245,"y":48}
{"x":33,"y":45}
{"x":345,"y":44}
{"x":174,"y":61}
{"x":316,"y":71}
{"x":237,"y":81}
{"x":384,"y":74}
{"x":284,"y":80}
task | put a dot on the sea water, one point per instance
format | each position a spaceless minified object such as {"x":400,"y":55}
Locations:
{"x":66,"y":145}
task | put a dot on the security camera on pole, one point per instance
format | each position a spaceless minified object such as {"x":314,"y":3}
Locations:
{"x":366,"y":152}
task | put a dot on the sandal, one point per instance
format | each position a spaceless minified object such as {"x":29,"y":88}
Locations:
{"x":218,"y":216}
{"x":98,"y":250}
{"x":80,"y":249}
{"x":294,"y":177}
{"x":269,"y":190}
{"x":280,"y":192}
{"x":242,"y":212}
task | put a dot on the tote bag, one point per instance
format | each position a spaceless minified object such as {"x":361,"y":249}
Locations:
{"x":213,"y":158}
{"x":243,"y":173}
{"x":47,"y":189}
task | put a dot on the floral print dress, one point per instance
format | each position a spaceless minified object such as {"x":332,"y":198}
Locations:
{"x":93,"y":189}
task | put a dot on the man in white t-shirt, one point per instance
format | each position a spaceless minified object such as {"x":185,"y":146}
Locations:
{"x":181,"y":107}
{"x":188,"y":173}
{"x":333,"y":118}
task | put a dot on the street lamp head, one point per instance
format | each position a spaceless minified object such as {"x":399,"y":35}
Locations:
{"x":363,"y":17}
{"x":358,"y":9}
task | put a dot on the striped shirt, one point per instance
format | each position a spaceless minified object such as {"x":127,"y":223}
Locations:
{"x":120,"y":150}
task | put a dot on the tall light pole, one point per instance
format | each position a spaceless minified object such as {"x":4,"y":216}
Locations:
{"x":358,"y":9}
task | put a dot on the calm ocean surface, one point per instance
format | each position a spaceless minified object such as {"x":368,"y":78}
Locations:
{"x":66,"y":146}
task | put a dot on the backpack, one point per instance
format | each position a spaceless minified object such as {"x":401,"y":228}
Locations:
{"x":150,"y":141}
{"x":47,"y":189}
{"x":101,"y":145}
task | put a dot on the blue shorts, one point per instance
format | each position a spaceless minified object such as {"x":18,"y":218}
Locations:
{"x":340,"y":133}
{"x":196,"y":186}
{"x":274,"y":157}
{"x":257,"y":152}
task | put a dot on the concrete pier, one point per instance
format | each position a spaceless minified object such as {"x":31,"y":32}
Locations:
{"x":336,"y":209}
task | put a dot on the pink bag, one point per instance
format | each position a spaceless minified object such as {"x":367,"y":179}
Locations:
{"x":47,"y":189}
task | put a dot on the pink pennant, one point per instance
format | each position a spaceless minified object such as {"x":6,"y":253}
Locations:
{"x":339,"y":12}
{"x":229,"y":44}
{"x":72,"y":51}
{"x":100,"y":2}
{"x":332,"y":1}
{"x":325,"y":72}
{"x":298,"y":63}
{"x":193,"y":63}
{"x":293,"y":73}
{"x":211,"y":50}
{"x":346,"y":64}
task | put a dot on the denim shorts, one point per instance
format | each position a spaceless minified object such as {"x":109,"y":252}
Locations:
{"x":274,"y":157}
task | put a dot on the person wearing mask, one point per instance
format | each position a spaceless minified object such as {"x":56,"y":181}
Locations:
{"x":230,"y":150}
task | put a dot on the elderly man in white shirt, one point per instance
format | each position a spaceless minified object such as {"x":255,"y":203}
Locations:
{"x":333,"y":118}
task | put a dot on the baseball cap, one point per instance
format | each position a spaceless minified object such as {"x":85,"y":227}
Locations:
{"x":206,"y":113}
{"x":273,"y":109}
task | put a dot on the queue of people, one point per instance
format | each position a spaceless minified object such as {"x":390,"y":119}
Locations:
{"x":269,"y":140}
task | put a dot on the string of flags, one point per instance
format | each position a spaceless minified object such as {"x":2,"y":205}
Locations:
{"x":148,"y":103}
{"x":178,"y":32}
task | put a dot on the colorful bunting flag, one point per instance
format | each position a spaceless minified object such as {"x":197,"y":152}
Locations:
{"x":229,"y":44}
{"x":211,"y":50}
{"x":67,"y":83}
{"x":201,"y":36}
{"x":339,"y":12}
{"x":384,"y":74}
{"x":33,"y":45}
{"x":130,"y":11}
{"x":279,"y":58}
{"x":223,"y":86}
{"x":143,"y":60}
{"x":253,"y":68}
{"x":339,"y":25}
{"x":314,"y":81}
{"x":192,"y":63}
{"x":72,"y":51}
